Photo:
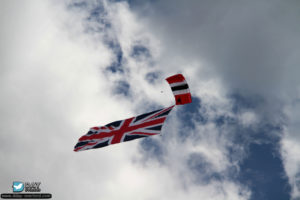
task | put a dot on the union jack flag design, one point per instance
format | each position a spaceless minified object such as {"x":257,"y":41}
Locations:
{"x":124,"y":130}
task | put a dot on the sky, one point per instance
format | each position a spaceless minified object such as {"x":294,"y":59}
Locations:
{"x":66,"y":66}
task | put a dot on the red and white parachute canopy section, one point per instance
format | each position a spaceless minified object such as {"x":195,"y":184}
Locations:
{"x":180,"y":89}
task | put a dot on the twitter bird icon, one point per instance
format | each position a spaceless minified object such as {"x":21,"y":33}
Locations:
{"x":18,"y":186}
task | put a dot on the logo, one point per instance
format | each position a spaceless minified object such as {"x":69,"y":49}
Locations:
{"x":18,"y":186}
{"x":26,"y":190}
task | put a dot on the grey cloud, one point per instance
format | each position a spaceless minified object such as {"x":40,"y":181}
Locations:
{"x":218,"y":39}
{"x":251,"y":44}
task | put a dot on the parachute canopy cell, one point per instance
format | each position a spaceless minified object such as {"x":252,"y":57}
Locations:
{"x":180,"y":89}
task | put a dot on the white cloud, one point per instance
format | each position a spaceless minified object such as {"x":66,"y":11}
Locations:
{"x":52,"y":92}
{"x":54,"y":88}
{"x":290,"y":147}
{"x":248,"y":47}
{"x":248,"y":118}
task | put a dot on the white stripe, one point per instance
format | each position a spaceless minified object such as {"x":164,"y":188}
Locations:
{"x":139,"y":130}
{"x":178,"y":83}
{"x":143,"y":131}
{"x":185,"y":91}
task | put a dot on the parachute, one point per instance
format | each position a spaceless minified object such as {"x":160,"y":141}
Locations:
{"x":144,"y":125}
{"x":180,"y":89}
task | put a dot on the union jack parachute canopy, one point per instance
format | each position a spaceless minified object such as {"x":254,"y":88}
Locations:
{"x":144,"y":125}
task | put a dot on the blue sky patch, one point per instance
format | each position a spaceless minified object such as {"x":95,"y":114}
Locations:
{"x":151,"y":77}
{"x":77,"y":5}
{"x":191,"y":113}
{"x":242,"y":102}
{"x":152,"y":149}
{"x":116,"y":65}
{"x":123,"y":88}
{"x":140,"y":51}
{"x":202,"y":169}
{"x":262,"y":171}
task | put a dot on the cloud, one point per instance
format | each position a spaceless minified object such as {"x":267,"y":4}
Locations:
{"x":290,"y":145}
{"x":52,"y":92}
{"x":57,"y":82}
{"x":245,"y":52}
{"x":244,"y":42}
{"x":72,"y":65}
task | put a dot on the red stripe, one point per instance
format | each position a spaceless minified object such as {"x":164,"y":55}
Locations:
{"x":175,"y":78}
{"x":183,"y":99}
{"x":119,"y":133}
{"x":77,"y":149}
